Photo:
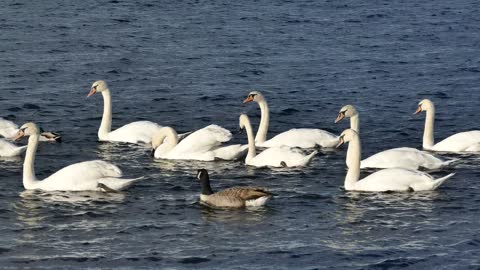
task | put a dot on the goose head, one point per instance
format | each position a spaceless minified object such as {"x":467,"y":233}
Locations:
{"x":98,"y":86}
{"x":28,"y":129}
{"x":346,"y":111}
{"x":254,"y":96}
{"x":202,"y":175}
{"x":346,"y":136}
{"x":424,"y":105}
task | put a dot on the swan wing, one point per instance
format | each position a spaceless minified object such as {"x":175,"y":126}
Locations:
{"x":81,"y":176}
{"x":398,"y":179}
{"x":8,"y":129}
{"x":404,"y":157}
{"x":280,"y":156}
{"x":136,"y":132}
{"x":458,"y":142}
{"x":8,"y":149}
{"x":231,"y":152}
{"x":203,"y":140}
{"x":302,"y":138}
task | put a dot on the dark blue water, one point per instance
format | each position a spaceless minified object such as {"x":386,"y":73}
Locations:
{"x":191,"y":63}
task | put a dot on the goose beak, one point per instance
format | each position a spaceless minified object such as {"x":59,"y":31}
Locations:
{"x":340,"y":142}
{"x":248,"y":99}
{"x":340,"y":116}
{"x":92,"y":92}
{"x":419,"y":110}
{"x":19,"y":135}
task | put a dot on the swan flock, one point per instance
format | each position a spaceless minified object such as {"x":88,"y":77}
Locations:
{"x":400,"y":168}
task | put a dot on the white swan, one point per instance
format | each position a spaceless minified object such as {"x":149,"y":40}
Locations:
{"x":393,"y":179}
{"x":297,"y":137}
{"x":8,"y":149}
{"x":203,"y":144}
{"x":402,"y":157}
{"x":136,"y":132}
{"x":282,"y":156}
{"x":460,"y":142}
{"x":9,"y":130}
{"x":96,"y":175}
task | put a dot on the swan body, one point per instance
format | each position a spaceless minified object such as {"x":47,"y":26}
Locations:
{"x":8,"y":149}
{"x":282,"y":156}
{"x":136,"y":132}
{"x":203,"y":144}
{"x":402,"y":157}
{"x":393,"y":179}
{"x":301,"y":138}
{"x":96,"y":175}
{"x":460,"y":142}
{"x":9,"y":130}
{"x":235,"y":197}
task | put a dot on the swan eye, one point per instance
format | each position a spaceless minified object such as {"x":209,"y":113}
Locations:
{"x":95,"y":87}
{"x":23,"y":129}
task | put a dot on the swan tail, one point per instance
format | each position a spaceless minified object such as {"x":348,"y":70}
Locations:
{"x":115,"y":184}
{"x":440,"y":181}
{"x":309,"y":157}
{"x":450,"y":162}
{"x":184,"y":135}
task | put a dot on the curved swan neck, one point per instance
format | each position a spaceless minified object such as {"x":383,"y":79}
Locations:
{"x":264,"y":121}
{"x":251,"y":141}
{"x":355,"y":123}
{"x":354,"y":155}
{"x":29,"y":179}
{"x":106,"y":125}
{"x":171,"y":138}
{"x":428,"y":139}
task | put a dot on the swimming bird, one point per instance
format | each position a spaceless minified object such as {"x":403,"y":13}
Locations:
{"x":297,"y":137}
{"x":234,"y":197}
{"x":393,"y":179}
{"x":461,"y":142}
{"x":282,"y":156}
{"x":95,"y":175}
{"x":9,"y":130}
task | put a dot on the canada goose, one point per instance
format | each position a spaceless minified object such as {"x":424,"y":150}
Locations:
{"x":234,"y":197}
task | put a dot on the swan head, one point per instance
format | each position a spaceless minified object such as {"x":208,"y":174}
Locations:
{"x":346,"y":111}
{"x":28,"y":129}
{"x":424,"y":105}
{"x":244,"y":121}
{"x":98,"y":86}
{"x":346,"y":136}
{"x":254,"y":96}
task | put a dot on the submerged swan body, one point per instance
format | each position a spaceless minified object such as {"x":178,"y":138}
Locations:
{"x":234,"y":197}
{"x":275,"y":156}
{"x":393,"y":179}
{"x":461,"y":142}
{"x":96,"y":175}
{"x":204,"y":144}
{"x":9,"y":130}
{"x":135,"y":132}
{"x":297,"y":137}
{"x":402,"y":157}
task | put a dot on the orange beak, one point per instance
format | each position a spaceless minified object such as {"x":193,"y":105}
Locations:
{"x":419,"y":110}
{"x":19,"y":135}
{"x":92,"y":91}
{"x":248,"y":99}
{"x":340,"y":117}
{"x":340,"y":142}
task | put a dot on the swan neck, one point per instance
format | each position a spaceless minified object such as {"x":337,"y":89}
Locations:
{"x":167,"y":137}
{"x":428,"y":139}
{"x":29,"y":179}
{"x":106,"y":125}
{"x":251,"y":142}
{"x":354,"y":155}
{"x":261,"y":136}
{"x":355,"y":123}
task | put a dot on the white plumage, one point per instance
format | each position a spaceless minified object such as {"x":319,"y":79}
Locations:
{"x":8,"y":149}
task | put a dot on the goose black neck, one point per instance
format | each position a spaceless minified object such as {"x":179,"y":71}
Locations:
{"x":206,"y":189}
